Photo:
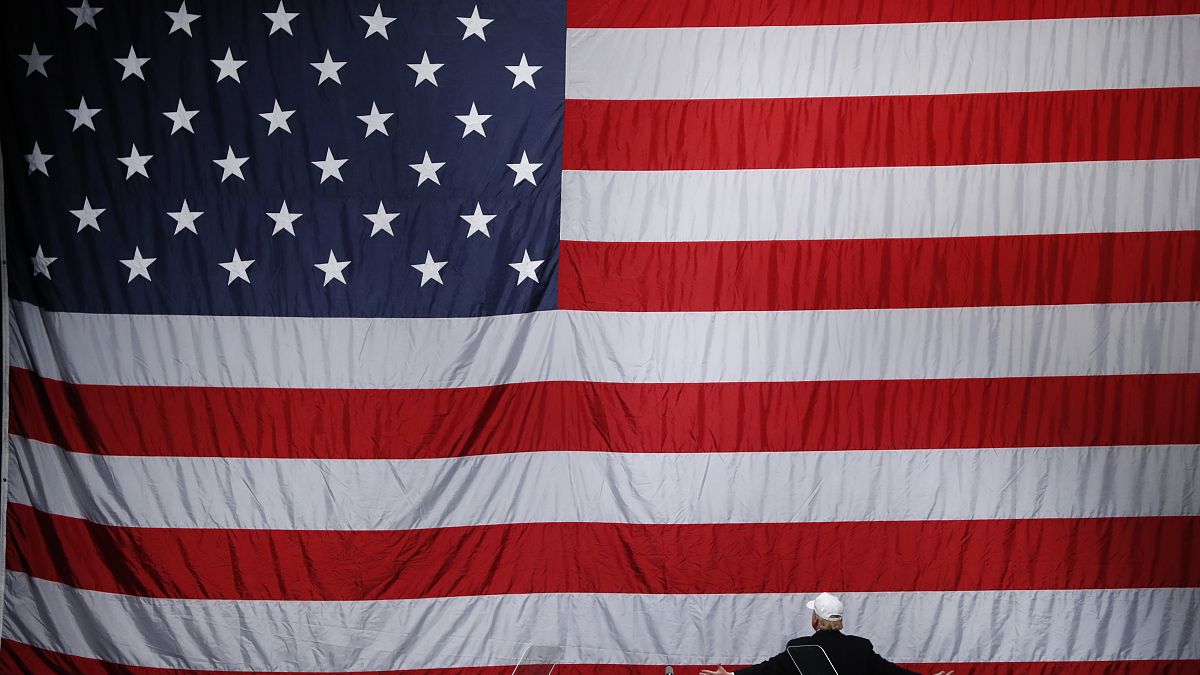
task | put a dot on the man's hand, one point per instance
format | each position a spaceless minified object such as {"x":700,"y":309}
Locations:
{"x":719,"y":671}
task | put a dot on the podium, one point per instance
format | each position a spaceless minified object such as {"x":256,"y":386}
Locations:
{"x":811,"y":660}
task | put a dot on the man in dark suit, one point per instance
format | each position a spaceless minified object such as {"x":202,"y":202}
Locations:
{"x":849,"y":654}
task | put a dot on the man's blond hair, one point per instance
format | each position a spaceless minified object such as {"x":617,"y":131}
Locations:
{"x":828,"y":624}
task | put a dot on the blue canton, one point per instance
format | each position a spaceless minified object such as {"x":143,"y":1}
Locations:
{"x":372,"y":159}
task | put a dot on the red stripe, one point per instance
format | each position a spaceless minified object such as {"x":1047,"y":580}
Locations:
{"x":1007,"y":128}
{"x":530,"y":417}
{"x":211,"y":564}
{"x":682,"y":13}
{"x":863,"y":273}
{"x":16,"y":657}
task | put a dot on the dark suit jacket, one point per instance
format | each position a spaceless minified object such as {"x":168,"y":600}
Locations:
{"x":850,"y":654}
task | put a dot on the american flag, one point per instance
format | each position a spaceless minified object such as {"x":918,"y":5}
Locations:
{"x":408,"y":336}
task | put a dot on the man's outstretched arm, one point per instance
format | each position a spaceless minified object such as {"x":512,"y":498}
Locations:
{"x":885,"y":667}
{"x":780,"y":664}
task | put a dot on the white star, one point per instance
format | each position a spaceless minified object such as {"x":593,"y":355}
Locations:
{"x":474,"y":24}
{"x":181,"y":20}
{"x":181,"y":118}
{"x":281,"y":19}
{"x":231,"y":165}
{"x":41,"y":263}
{"x":526,"y":269}
{"x":37,"y":160}
{"x":228,"y":66}
{"x":35,"y":62}
{"x":427,"y":170}
{"x":523,"y":72}
{"x":473,"y":122}
{"x":278,"y":118}
{"x":132,"y":65}
{"x":185,"y":218}
{"x":328,"y":68}
{"x":332,"y":269}
{"x":524,"y":170}
{"x":87,"y":215}
{"x":377,"y":23}
{"x":478,"y":221}
{"x":425,"y":70}
{"x":237,"y":268}
{"x":85,"y":14}
{"x":330,"y":167}
{"x":138,"y":266}
{"x":83,"y":115}
{"x":283,"y":220}
{"x":431,"y":270}
{"x":375,"y":120}
{"x":381,"y":220}
{"x":135,"y":163}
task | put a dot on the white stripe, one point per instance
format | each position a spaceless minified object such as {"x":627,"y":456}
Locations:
{"x":608,"y":346}
{"x":1088,"y":625}
{"x":876,"y":203}
{"x":883,"y":59}
{"x":595,"y":487}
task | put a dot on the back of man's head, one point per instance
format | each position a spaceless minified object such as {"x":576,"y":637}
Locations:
{"x":827,"y":612}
